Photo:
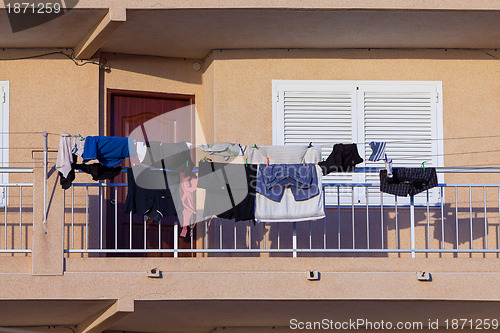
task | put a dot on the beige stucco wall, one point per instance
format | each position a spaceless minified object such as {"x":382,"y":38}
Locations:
{"x":48,"y":93}
{"x":156,"y":74}
{"x":234,"y":103}
{"x":243,"y":90}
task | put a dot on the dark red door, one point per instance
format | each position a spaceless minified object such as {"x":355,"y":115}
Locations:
{"x":155,"y":117}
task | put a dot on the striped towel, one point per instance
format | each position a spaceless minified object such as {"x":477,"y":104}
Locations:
{"x":378,"y":151}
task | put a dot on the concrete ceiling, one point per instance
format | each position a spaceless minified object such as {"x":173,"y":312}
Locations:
{"x":192,"y":33}
{"x":203,"y":316}
{"x":48,"y":312}
{"x":64,"y":31}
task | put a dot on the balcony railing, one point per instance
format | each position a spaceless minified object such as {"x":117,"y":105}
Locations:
{"x":461,"y":219}
{"x":16,"y":213}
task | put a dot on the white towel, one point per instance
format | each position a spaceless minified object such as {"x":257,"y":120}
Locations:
{"x":64,"y":157}
{"x":288,"y":210}
{"x":141,"y":150}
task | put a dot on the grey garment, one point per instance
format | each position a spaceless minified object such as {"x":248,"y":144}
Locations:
{"x":226,"y":186}
{"x":289,"y":154}
{"x":170,"y":156}
{"x":224,"y":149}
{"x":78,"y":145}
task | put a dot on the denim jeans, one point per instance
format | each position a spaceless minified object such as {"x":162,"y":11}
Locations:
{"x":273,"y":180}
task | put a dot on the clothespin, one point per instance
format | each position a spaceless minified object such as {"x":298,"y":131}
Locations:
{"x":267,"y":161}
{"x":423,"y":165}
{"x":79,"y":135}
{"x":310,"y":145}
{"x":246,"y":161}
{"x":255,"y":145}
{"x":208,"y":145}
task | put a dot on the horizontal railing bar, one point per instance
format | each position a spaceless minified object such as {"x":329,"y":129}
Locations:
{"x":15,"y":170}
{"x":324,"y":184}
{"x":368,"y":169}
{"x":440,"y":170}
{"x":15,"y":251}
{"x":100,"y":184}
{"x":280,"y":250}
{"x":231,"y":250}
{"x":17,"y":185}
{"x":378,"y":185}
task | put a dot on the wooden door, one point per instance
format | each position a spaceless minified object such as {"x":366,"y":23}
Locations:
{"x":157,"y":117}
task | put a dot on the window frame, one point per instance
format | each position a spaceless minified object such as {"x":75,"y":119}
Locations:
{"x":357,"y":89}
{"x":4,"y":138}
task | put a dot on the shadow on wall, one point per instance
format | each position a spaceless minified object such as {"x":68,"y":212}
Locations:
{"x":172,"y":69}
{"x":358,"y":54}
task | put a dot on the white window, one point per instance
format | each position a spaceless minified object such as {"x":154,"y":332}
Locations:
{"x":406,"y":114}
{"x":4,"y":137}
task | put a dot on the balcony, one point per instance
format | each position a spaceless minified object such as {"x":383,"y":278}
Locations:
{"x":366,"y":238}
{"x":463,"y":221}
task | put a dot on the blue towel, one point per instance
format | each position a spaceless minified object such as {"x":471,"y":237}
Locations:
{"x":378,"y":151}
{"x":109,"y":150}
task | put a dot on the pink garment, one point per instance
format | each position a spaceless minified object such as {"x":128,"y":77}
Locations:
{"x":189,"y":183}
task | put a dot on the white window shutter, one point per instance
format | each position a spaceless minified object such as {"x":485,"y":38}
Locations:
{"x":4,"y":138}
{"x":406,"y":114}
{"x":324,"y":117}
{"x":404,"y":117}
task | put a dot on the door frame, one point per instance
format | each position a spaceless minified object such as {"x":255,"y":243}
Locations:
{"x":147,"y":94}
{"x":110,"y":93}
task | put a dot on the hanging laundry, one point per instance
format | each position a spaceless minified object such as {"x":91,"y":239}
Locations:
{"x":229,"y":190}
{"x":64,"y":156}
{"x":67,"y":181}
{"x":388,"y":166}
{"x":141,"y":150}
{"x":301,"y":179}
{"x":245,"y":210}
{"x":170,"y":156}
{"x":292,"y":154}
{"x":288,"y":209}
{"x":223,"y":149}
{"x":343,"y":158}
{"x":378,"y":151}
{"x":110,"y":151}
{"x":408,"y":181}
{"x":148,"y":194}
{"x":189,"y":183}
{"x":99,"y":171}
{"x":78,"y":145}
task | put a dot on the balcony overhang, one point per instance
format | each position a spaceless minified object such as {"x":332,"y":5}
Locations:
{"x":191,"y":30}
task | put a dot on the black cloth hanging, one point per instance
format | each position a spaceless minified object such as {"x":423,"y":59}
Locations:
{"x":230,"y":189}
{"x":343,"y":158}
{"x":99,"y":171}
{"x":67,"y":181}
{"x":148,"y":194}
{"x":408,"y":181}
{"x":171,"y":156}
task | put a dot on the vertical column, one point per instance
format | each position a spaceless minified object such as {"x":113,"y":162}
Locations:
{"x":48,"y":228}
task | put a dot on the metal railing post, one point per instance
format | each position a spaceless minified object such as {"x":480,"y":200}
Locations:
{"x":45,"y":172}
{"x":412,"y":225}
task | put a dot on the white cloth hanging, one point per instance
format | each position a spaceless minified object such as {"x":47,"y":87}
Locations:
{"x":288,"y":210}
{"x":78,"y":145}
{"x":64,"y":156}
